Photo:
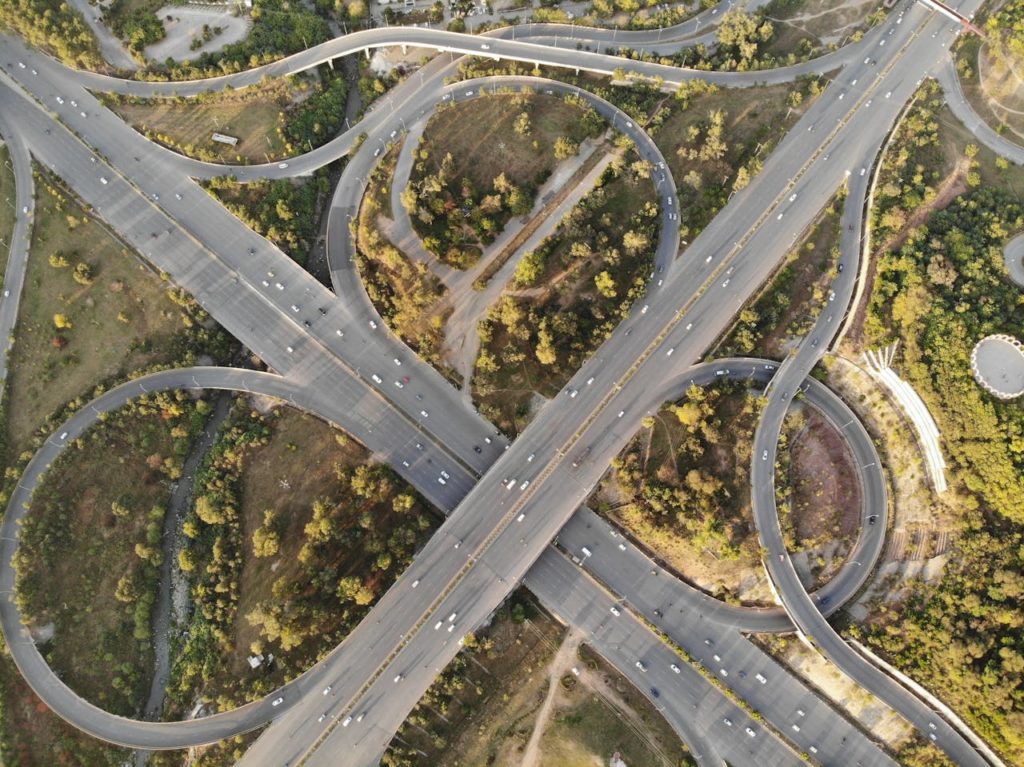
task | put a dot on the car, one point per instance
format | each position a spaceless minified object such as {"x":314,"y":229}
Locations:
{"x":394,"y":133}
{"x":642,"y":666}
{"x":622,"y":547}
{"x":839,"y":267}
{"x":360,"y":717}
{"x":761,"y":678}
{"x":307,"y":324}
{"x":723,"y":672}
{"x":792,"y":197}
{"x":590,"y":380}
{"x":717,"y":657}
{"x":327,"y":689}
{"x":103,"y":180}
{"x":764,"y":456}
{"x":719,"y":372}
{"x":525,"y":485}
{"x":7,"y":293}
{"x":510,"y":483}
{"x":477,"y":449}
{"x":931,"y":725}
{"x":295,"y":308}
{"x":675,"y":668}
{"x":290,"y":349}
{"x":814,"y":343}
{"x":405,"y":464}
{"x":282,"y":165}
{"x":399,"y":384}
{"x":778,"y":217}
{"x":441,"y":481}
{"x":469,"y":93}
{"x":931,"y":736}
{"x":615,"y":611}
{"x":644,"y":309}
{"x":520,"y":518}
{"x":831,"y":295}
{"x":60,"y":100}
{"x":277,"y":701}
{"x":689,"y":325}
{"x":750,"y":732}
{"x":445,"y":474}
{"x":373,"y":325}
{"x":398,"y":678}
{"x":800,"y":712}
{"x":347,"y":722}
{"x":708,"y":642}
{"x":376,"y":378}
{"x":322,"y":717}
{"x":458,"y":543}
{"x":813,"y":749}
{"x":655,"y":693}
{"x":279,"y":286}
{"x":670,"y":201}
{"x":177,"y":195}
{"x":872,"y":519}
{"x":795,"y":727}
{"x":573,"y":393}
{"x":21,"y":64}
{"x":376,"y":152}
{"x":726,"y":283}
{"x":398,"y":362}
{"x":424,"y":413}
{"x":727,"y":722}
{"x":669,"y":352}
{"x":621,"y":413}
{"x":888,"y":94}
{"x":485,"y":47}
{"x":530,"y":457}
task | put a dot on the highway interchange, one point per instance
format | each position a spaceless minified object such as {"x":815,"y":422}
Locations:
{"x":224,"y":265}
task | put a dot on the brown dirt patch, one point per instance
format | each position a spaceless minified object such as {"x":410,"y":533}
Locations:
{"x":826,"y":494}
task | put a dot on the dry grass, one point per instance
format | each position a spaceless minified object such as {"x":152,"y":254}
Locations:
{"x":7,"y":209}
{"x":480,"y":137}
{"x":253,"y":118}
{"x":99,"y":345}
{"x":295,"y":468}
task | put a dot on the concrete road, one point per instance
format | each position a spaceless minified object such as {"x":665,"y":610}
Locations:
{"x":975,"y":123}
{"x":24,"y":205}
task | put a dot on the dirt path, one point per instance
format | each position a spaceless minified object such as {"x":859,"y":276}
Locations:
{"x":559,"y":664}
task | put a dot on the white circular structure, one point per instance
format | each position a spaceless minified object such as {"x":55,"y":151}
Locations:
{"x":997,"y":362}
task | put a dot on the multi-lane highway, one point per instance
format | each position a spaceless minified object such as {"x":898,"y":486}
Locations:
{"x":500,"y":527}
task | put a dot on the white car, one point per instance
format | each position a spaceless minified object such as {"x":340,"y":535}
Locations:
{"x":642,"y":666}
{"x":750,"y":732}
{"x":615,"y":611}
{"x":424,"y":413}
{"x":277,"y":701}
{"x":327,"y":689}
{"x":376,"y":378}
{"x":347,"y":722}
{"x":373,"y":325}
{"x":573,"y":393}
{"x":485,"y":47}
{"x":675,"y":668}
{"x":644,"y":309}
{"x":282,"y":165}
{"x":103,"y":180}
{"x":764,"y":456}
{"x":525,"y":485}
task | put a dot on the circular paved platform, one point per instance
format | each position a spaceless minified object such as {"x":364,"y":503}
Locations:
{"x":1013,"y":255}
{"x":998,"y":365}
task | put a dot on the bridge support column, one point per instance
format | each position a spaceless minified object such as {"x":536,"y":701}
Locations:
{"x":330,"y":63}
{"x":404,"y":49}
{"x":367,"y":53}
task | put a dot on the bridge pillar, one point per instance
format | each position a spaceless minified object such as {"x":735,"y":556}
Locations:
{"x":404,"y":49}
{"x":367,"y":53}
{"x":330,"y":63}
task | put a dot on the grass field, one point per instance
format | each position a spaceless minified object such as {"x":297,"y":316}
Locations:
{"x":479,"y":135}
{"x":49,"y":367}
{"x":295,"y":468}
{"x":605,"y":714}
{"x":79,"y":551}
{"x":7,"y":210}
{"x":253,"y":117}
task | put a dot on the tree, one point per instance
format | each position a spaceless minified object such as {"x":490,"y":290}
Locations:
{"x":58,"y":260}
{"x":266,"y":539}
{"x":565,"y":148}
{"x":522,"y":124}
{"x":83,"y":274}
{"x":61,"y":322}
{"x":545,"y":352}
{"x":605,"y":284}
{"x":634,"y":241}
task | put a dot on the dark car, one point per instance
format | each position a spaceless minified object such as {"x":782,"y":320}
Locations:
{"x":655,"y":693}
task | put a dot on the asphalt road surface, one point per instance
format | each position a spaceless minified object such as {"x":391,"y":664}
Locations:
{"x":496,"y":549}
